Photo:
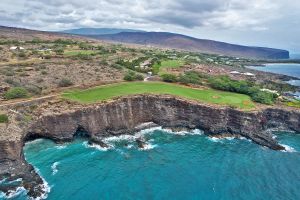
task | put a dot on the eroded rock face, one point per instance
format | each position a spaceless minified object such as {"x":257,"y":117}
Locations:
{"x":124,"y":115}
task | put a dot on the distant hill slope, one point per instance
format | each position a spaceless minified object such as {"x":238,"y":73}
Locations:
{"x":98,"y":31}
{"x":177,"y":41}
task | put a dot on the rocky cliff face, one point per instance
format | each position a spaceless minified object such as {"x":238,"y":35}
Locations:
{"x":124,"y":115}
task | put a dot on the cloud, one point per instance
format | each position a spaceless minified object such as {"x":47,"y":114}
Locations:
{"x":249,"y":17}
{"x":181,"y":13}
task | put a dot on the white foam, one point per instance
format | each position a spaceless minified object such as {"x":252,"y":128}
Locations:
{"x":170,"y":131}
{"x":288,"y":148}
{"x":2,"y":181}
{"x":35,"y":141}
{"x":98,"y":147}
{"x":60,"y":146}
{"x":129,"y":146}
{"x":148,"y":146}
{"x":45,"y":187}
{"x":54,"y":168}
{"x":15,"y":193}
{"x":215,"y":139}
{"x":119,"y":138}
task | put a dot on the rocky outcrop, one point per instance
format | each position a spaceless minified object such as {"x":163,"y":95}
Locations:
{"x":126,"y":114}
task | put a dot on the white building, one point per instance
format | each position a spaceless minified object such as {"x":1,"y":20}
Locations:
{"x":16,"y":48}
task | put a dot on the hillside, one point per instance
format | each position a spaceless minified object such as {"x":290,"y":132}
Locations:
{"x":177,"y":41}
{"x":98,"y":31}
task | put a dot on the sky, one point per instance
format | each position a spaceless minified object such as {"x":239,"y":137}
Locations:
{"x":271,"y":23}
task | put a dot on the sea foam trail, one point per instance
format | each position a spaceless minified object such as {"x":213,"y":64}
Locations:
{"x":54,"y":168}
{"x":110,"y":141}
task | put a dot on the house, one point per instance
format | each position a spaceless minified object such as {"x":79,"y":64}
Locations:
{"x":16,"y":48}
{"x":249,"y":74}
{"x":270,"y":91}
{"x":235,"y":72}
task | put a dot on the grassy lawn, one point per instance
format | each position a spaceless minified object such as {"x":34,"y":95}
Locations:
{"x":76,"y":52}
{"x":160,"y":68}
{"x":121,"y":89}
{"x":295,"y":103}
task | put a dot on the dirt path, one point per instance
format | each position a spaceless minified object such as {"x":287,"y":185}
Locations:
{"x":24,"y":101}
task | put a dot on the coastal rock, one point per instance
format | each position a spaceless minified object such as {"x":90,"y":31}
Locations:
{"x":124,"y":116}
{"x":141,"y":143}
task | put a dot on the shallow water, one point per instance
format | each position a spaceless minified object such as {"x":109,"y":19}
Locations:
{"x":174,"y":166}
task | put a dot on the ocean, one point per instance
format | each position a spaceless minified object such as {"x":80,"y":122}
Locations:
{"x":286,"y":69}
{"x":184,"y":165}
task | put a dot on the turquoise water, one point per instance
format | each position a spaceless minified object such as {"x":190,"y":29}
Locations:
{"x":173,"y":166}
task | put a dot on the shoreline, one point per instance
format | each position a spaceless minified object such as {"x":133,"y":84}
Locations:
{"x":131,"y":114}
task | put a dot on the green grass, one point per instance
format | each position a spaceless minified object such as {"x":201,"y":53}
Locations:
{"x":77,"y":52}
{"x":295,"y":103}
{"x":122,"y":89}
{"x":161,"y":68}
{"x":3,"y":118}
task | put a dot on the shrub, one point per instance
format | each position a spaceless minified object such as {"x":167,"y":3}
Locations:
{"x":40,"y":80}
{"x":103,"y":62}
{"x":263,"y":97}
{"x":117,"y":66}
{"x":9,"y":73}
{"x":12,"y":82}
{"x":65,"y":82}
{"x":34,"y":90}
{"x":48,"y":56}
{"x":59,"y":51}
{"x":171,"y":78}
{"x":3,"y":118}
{"x":189,"y":77}
{"x":44,"y":72}
{"x":16,"y":92}
{"x":82,"y":56}
{"x":131,"y":76}
{"x":22,"y":55}
{"x":243,"y":87}
{"x":139,"y":77}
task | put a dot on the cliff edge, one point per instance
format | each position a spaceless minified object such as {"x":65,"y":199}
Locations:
{"x":122,"y":116}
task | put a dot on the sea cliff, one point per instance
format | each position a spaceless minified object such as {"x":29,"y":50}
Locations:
{"x":125,"y":115}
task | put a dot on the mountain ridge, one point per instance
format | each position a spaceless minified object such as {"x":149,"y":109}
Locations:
{"x":98,"y":31}
{"x":183,"y":42}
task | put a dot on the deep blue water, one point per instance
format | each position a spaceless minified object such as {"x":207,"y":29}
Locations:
{"x":186,"y":166}
{"x":279,"y":68}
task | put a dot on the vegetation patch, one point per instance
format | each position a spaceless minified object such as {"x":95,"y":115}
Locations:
{"x":243,"y":87}
{"x":295,"y":103}
{"x":15,"y":93}
{"x":160,"y":67}
{"x":132,"y":76}
{"x":65,"y":83}
{"x":122,"y":89}
{"x":3,"y":118}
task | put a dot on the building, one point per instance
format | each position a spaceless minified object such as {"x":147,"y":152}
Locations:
{"x":16,"y":48}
